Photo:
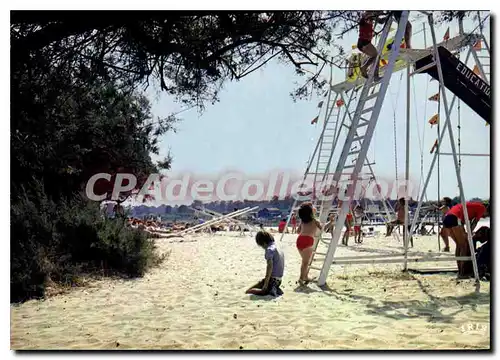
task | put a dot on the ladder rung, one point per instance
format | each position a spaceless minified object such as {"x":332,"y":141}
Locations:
{"x":361,"y":124}
{"x":372,"y":96}
{"x":367,"y":110}
{"x":320,"y":173}
{"x":314,"y":267}
{"x":358,"y":138}
{"x":354,"y":152}
{"x":353,"y":165}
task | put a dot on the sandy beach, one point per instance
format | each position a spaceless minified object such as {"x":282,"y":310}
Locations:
{"x":196,"y":300}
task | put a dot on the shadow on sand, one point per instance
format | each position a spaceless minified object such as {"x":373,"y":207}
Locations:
{"x":432,"y":308}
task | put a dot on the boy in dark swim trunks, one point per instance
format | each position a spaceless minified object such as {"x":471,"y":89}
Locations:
{"x":275,"y":259}
{"x":305,"y":241}
{"x":365,"y":42}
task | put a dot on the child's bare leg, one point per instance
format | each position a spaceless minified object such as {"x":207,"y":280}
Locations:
{"x":255,"y":288}
{"x":408,"y":35}
{"x":371,"y":51}
{"x":444,"y":236}
{"x":306,"y":258}
{"x":457,"y":236}
{"x":346,"y":236}
{"x":390,"y":227}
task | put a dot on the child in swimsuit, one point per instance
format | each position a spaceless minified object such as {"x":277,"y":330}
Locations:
{"x":330,"y":225}
{"x":294,"y":223}
{"x":358,"y":217}
{"x":305,"y":240}
{"x":347,"y":223}
{"x":365,"y":42}
{"x":446,"y":205}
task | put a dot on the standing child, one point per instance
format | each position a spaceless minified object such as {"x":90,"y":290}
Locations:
{"x":294,"y":223}
{"x":358,"y":218}
{"x":446,"y":205}
{"x":281,"y":226}
{"x":330,"y":225}
{"x":275,"y":259}
{"x":305,"y":241}
{"x":347,"y":223}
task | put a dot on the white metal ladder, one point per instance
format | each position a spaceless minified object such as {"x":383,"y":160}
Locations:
{"x":361,"y":130}
{"x":321,"y":154}
{"x":482,"y":59}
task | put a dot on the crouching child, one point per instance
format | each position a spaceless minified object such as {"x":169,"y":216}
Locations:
{"x":275,"y":259}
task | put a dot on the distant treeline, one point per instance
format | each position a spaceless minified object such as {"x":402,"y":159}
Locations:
{"x":224,"y":207}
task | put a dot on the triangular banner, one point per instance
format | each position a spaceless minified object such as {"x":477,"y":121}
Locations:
{"x":320,"y":104}
{"x":434,"y":97}
{"x":434,"y":120}
{"x":315,"y":120}
{"x":478,"y":45}
{"x":476,"y":71}
{"x":339,"y":103}
{"x":446,"y":35}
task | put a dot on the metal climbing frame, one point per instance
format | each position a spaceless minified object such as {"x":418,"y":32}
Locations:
{"x":447,"y":127}
{"x":358,"y":122}
{"x":318,"y":165}
{"x":369,"y":106}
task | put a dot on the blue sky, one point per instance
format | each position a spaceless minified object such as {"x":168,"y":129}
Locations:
{"x":257,"y":128}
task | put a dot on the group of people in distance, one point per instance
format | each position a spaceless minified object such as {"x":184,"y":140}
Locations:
{"x":366,"y":33}
{"x":453,"y":226}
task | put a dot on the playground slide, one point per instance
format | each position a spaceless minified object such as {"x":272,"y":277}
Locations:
{"x":461,"y":81}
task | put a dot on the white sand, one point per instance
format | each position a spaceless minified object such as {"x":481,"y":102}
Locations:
{"x":196,"y":300}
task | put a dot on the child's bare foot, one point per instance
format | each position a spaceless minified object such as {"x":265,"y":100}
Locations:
{"x":303,"y":282}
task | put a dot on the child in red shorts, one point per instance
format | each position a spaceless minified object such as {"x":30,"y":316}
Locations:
{"x":305,"y":240}
{"x":358,"y":217}
{"x":348,"y":223}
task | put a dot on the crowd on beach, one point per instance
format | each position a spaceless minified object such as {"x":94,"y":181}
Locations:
{"x":159,"y":227}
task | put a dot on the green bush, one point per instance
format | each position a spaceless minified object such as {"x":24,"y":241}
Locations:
{"x":61,"y":241}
